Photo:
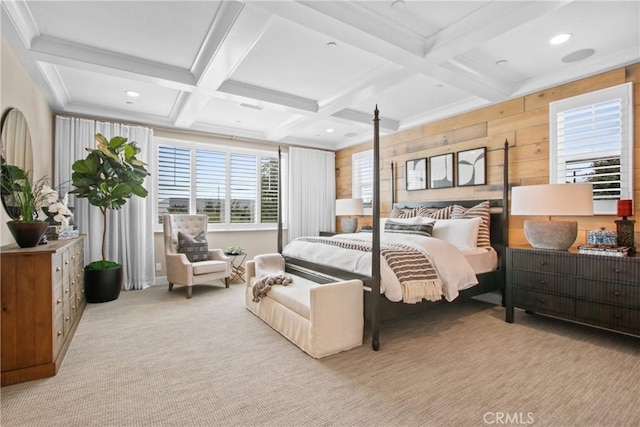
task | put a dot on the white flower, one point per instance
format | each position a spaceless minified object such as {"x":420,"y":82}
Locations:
{"x":61,"y":210}
{"x":48,"y":196}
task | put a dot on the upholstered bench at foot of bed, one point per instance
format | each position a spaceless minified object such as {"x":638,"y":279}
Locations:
{"x":320,"y":319}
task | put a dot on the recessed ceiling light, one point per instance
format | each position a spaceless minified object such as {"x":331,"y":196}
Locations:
{"x":501,"y":62}
{"x":350,"y":134}
{"x":560,"y":38}
{"x":129,"y":102}
{"x":440,"y":85}
{"x":132,"y":93}
{"x":329,"y":130}
{"x":578,"y":55}
{"x":397,"y":4}
{"x":332,"y":44}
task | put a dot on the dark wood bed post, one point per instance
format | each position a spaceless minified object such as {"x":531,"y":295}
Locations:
{"x":279,"y":201}
{"x":393,"y":184}
{"x":375,"y":251}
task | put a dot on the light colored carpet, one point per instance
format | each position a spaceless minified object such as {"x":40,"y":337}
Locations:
{"x":154,"y":358}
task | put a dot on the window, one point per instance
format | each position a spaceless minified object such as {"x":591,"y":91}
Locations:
{"x":233,"y":188}
{"x":362,"y":179}
{"x":591,"y":140}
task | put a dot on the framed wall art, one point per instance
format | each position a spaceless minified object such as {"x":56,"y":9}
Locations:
{"x":417,"y":174}
{"x":472,"y":167}
{"x":441,"y":171}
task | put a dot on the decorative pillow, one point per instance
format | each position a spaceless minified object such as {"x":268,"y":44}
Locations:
{"x":195,"y":248}
{"x":482,"y":211}
{"x":443,"y":213}
{"x":403,"y":212}
{"x":461,"y":233}
{"x":425,"y":229}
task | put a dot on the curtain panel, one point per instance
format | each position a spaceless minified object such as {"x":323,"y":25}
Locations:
{"x":312,"y":192}
{"x":129,"y":231}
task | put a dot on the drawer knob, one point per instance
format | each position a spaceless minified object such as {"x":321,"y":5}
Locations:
{"x":616,"y":271}
{"x":542,"y":301}
{"x":617,"y":316}
{"x":73,"y":306}
{"x":67,"y":318}
{"x":66,"y":291}
{"x":542,"y":263}
{"x":616,"y":293}
{"x":543,"y":282}
{"x":66,"y":262}
{"x":59,"y":333}
{"x":59,"y":301}
{"x":57,"y":268}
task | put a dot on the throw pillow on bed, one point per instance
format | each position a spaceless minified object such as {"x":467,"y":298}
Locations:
{"x":482,"y":211}
{"x":461,"y":233}
{"x":424,"y":229}
{"x":443,"y":213}
{"x":195,"y":248}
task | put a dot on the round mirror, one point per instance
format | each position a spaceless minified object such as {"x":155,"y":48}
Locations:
{"x":16,"y":147}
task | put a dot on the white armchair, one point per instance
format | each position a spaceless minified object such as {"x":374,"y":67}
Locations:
{"x":181,"y":271}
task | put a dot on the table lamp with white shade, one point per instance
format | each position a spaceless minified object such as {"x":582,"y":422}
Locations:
{"x":552,"y":200}
{"x":345,"y":208}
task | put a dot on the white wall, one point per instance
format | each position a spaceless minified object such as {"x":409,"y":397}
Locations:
{"x":19,"y":91}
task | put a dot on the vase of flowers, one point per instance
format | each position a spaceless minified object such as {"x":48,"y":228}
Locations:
{"x":58,"y":216}
{"x":23,"y":199}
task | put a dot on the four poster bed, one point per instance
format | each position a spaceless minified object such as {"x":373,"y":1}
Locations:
{"x":385,"y":260}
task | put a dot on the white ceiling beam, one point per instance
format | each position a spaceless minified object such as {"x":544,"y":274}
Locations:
{"x":245,"y":26}
{"x":82,"y":57}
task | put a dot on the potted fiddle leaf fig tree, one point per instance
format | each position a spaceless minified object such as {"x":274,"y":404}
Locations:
{"x":108,"y":177}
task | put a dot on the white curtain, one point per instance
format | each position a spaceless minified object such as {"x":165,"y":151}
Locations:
{"x":129,"y":230}
{"x":312,"y":192}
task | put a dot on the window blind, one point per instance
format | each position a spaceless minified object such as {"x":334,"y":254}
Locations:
{"x":268,"y":190}
{"x":590,"y":142}
{"x":174,"y":180}
{"x":362,"y":178}
{"x":243,"y":188}
{"x":211,"y":184}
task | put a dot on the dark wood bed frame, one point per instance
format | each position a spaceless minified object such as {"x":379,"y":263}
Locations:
{"x":378,"y":308}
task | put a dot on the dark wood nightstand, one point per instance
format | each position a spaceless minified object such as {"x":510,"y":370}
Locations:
{"x":327,"y":233}
{"x":598,"y":290}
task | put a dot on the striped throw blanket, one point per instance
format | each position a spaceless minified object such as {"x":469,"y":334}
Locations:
{"x":414,"y":270}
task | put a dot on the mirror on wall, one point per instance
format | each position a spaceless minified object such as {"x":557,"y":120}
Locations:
{"x":16,"y":147}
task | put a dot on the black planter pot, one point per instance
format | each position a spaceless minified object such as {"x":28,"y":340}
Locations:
{"x":27,"y":234}
{"x":102,"y":285}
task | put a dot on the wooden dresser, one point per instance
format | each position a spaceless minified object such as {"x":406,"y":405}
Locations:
{"x":42,"y":302}
{"x":598,"y":290}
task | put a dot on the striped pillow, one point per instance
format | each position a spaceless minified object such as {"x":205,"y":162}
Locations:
{"x":425,"y":229}
{"x":403,"y":212}
{"x":482,"y":211}
{"x":444,"y":213}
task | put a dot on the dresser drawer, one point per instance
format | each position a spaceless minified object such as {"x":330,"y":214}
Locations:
{"x":610,"y":269}
{"x":545,"y":282}
{"x":609,"y":293}
{"x":608,"y":316}
{"x":544,"y":261}
{"x":540,"y":302}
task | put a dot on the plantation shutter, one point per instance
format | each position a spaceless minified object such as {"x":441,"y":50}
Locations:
{"x":174,"y":180}
{"x":211,"y":184}
{"x":244,"y":188}
{"x":362,"y":178}
{"x":269,"y":190}
{"x":591,"y":142}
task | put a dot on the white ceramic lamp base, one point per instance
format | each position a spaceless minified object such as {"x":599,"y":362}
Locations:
{"x":349,"y":225}
{"x":556,"y":235}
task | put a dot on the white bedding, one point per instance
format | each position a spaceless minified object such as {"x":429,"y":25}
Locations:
{"x":454,"y":269}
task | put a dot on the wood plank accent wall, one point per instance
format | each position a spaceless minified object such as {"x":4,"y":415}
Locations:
{"x":523,"y":121}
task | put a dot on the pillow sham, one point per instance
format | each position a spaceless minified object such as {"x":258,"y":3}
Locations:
{"x":403,"y":212}
{"x":442,"y":213}
{"x":482,"y":211}
{"x":461,"y":233}
{"x":424,"y":229}
{"x":195,"y":248}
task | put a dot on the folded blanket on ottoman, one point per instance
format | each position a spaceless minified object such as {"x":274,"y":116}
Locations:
{"x":269,"y":272}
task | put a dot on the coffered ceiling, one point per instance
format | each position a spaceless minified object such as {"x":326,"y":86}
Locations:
{"x":308,"y":72}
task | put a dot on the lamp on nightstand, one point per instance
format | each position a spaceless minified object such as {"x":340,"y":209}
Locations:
{"x":346,"y":207}
{"x":552,"y":200}
{"x":624,"y":226}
